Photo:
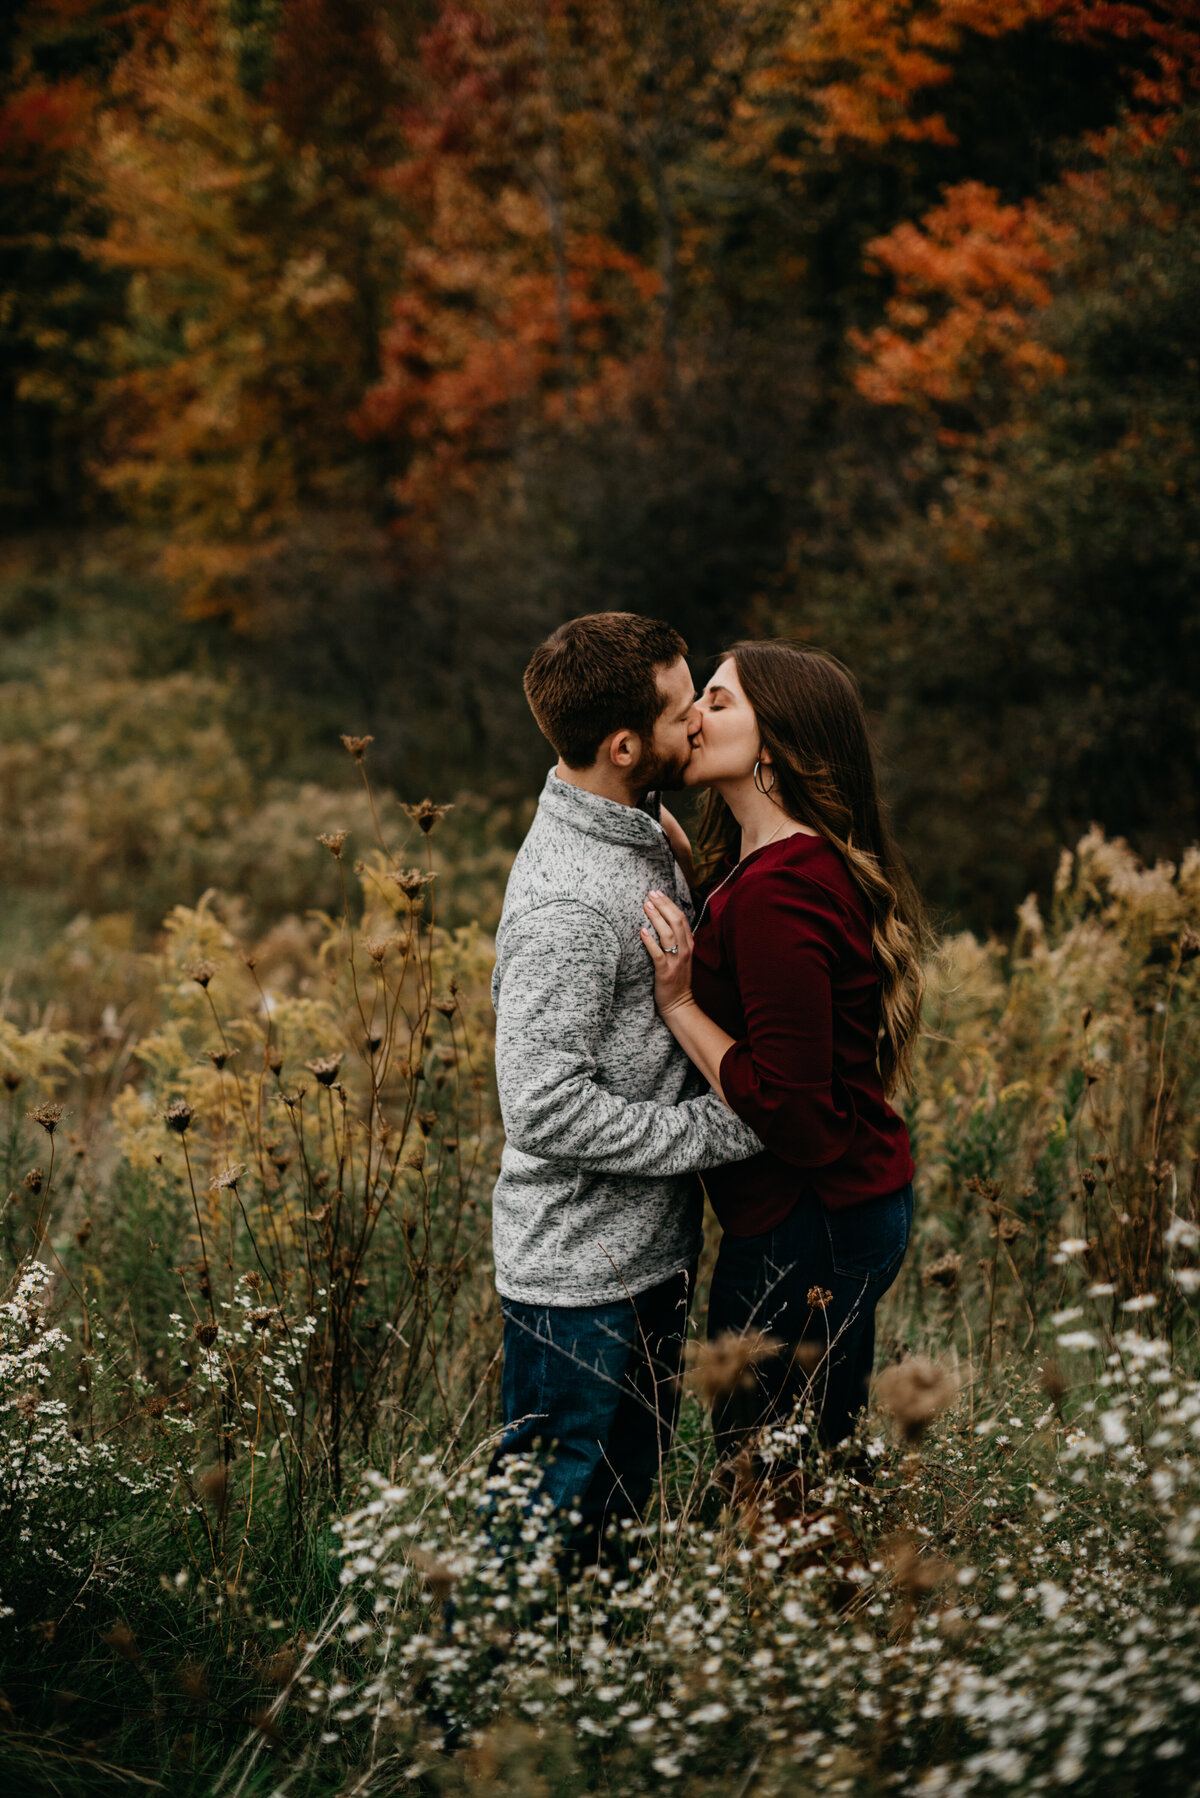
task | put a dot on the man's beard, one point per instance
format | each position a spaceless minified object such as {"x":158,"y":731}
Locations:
{"x":656,"y":773}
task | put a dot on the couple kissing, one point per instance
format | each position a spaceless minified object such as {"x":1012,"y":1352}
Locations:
{"x":741,"y":1011}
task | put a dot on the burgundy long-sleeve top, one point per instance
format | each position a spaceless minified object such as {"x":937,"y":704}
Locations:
{"x":783,"y":964}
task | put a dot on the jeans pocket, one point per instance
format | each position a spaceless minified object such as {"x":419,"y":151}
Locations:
{"x":867,"y":1242}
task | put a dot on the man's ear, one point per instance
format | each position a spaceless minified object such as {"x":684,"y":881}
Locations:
{"x":624,"y":747}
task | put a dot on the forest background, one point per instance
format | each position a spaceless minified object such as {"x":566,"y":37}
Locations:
{"x":346,"y":348}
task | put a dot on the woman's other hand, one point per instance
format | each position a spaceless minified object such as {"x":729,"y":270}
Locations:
{"x":671,"y":954}
{"x":681,"y":847}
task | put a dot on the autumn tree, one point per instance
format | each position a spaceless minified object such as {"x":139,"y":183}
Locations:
{"x":237,"y":164}
{"x":54,"y":300}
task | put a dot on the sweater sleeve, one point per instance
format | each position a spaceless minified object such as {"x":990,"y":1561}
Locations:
{"x":780,"y":1078}
{"x":554,"y":995}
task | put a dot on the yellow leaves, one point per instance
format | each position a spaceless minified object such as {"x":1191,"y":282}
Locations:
{"x":37,"y":1057}
{"x":137,"y":1125}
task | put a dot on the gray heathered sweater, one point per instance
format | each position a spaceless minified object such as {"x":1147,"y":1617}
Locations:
{"x":606,"y":1119}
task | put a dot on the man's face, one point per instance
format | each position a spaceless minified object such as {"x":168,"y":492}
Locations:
{"x":665,"y":757}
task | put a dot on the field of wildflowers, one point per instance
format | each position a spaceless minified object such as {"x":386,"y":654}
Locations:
{"x":249,"y":1368}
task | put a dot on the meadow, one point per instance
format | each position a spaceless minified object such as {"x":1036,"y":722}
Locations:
{"x":347,"y":347}
{"x":249,"y":1361}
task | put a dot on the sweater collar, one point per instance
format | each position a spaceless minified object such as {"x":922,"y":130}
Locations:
{"x":636,"y":826}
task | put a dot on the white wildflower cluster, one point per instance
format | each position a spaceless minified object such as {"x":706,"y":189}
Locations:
{"x":59,"y":1481}
{"x":793,"y":1637}
{"x":256,"y":1351}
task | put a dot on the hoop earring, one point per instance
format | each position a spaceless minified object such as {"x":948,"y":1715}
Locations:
{"x":765,"y":791}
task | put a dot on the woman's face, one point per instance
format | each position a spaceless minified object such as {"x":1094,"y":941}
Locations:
{"x":725,"y":742}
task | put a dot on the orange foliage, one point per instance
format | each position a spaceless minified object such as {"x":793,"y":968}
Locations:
{"x":864,"y":64}
{"x":518,"y":305}
{"x":969,"y":279}
{"x":39,"y":123}
{"x":972,"y":275}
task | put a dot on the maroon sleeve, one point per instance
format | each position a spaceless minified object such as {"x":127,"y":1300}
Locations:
{"x":783,"y":941}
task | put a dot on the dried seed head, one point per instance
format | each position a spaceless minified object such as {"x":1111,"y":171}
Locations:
{"x":274,"y":1058}
{"x":426,"y":1120}
{"x":374,"y":1041}
{"x":1089,"y":1179}
{"x":912,"y":1571}
{"x":201,"y":972}
{"x":334,"y":840}
{"x":1009,"y":1228}
{"x":35,"y":1179}
{"x":1087,"y":1016}
{"x":11,"y":1079}
{"x":214,"y":1484}
{"x":357,"y":746}
{"x":914,"y":1391}
{"x":156,"y":1406}
{"x":411,"y":881}
{"x":253,"y":1279}
{"x":277,"y":1323}
{"x":228,"y":1177}
{"x":988,"y":1190}
{"x":1053,"y":1382}
{"x":206,"y":1332}
{"x":48,"y":1116}
{"x":279,"y":1667}
{"x":325,"y":1069}
{"x":944,"y":1272}
{"x":437,"y":1576}
{"x":258,"y":1319}
{"x":1093,"y":1071}
{"x":218,"y":1057}
{"x":83,"y":1234}
{"x":819,"y":1298}
{"x":727,"y":1363}
{"x":446,"y":1003}
{"x":414,"y":1156}
{"x":377,"y":947}
{"x":193,"y":1682}
{"x":178,"y":1116}
{"x":120,"y":1638}
{"x":1189,"y":945}
{"x":293,"y":1100}
{"x":427,"y":814}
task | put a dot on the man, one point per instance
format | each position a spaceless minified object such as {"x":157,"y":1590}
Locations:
{"x":597,"y":1210}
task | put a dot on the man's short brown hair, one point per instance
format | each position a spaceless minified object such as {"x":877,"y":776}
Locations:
{"x":595,"y":675}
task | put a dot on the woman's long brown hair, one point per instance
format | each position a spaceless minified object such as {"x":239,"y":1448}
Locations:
{"x":811,"y":719}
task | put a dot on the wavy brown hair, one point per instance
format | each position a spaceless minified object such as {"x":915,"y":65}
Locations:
{"x":810,"y":717}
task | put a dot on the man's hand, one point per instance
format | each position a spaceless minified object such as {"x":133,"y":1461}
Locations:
{"x":671,"y":954}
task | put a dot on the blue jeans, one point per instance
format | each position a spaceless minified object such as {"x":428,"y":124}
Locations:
{"x":777,"y":1282}
{"x":594,"y":1391}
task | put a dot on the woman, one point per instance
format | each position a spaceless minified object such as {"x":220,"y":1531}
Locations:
{"x":799,"y":1000}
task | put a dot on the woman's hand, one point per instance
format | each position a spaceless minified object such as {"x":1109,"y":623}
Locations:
{"x":671,"y":954}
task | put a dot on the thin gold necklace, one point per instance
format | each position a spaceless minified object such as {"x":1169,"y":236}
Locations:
{"x":737,"y":864}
